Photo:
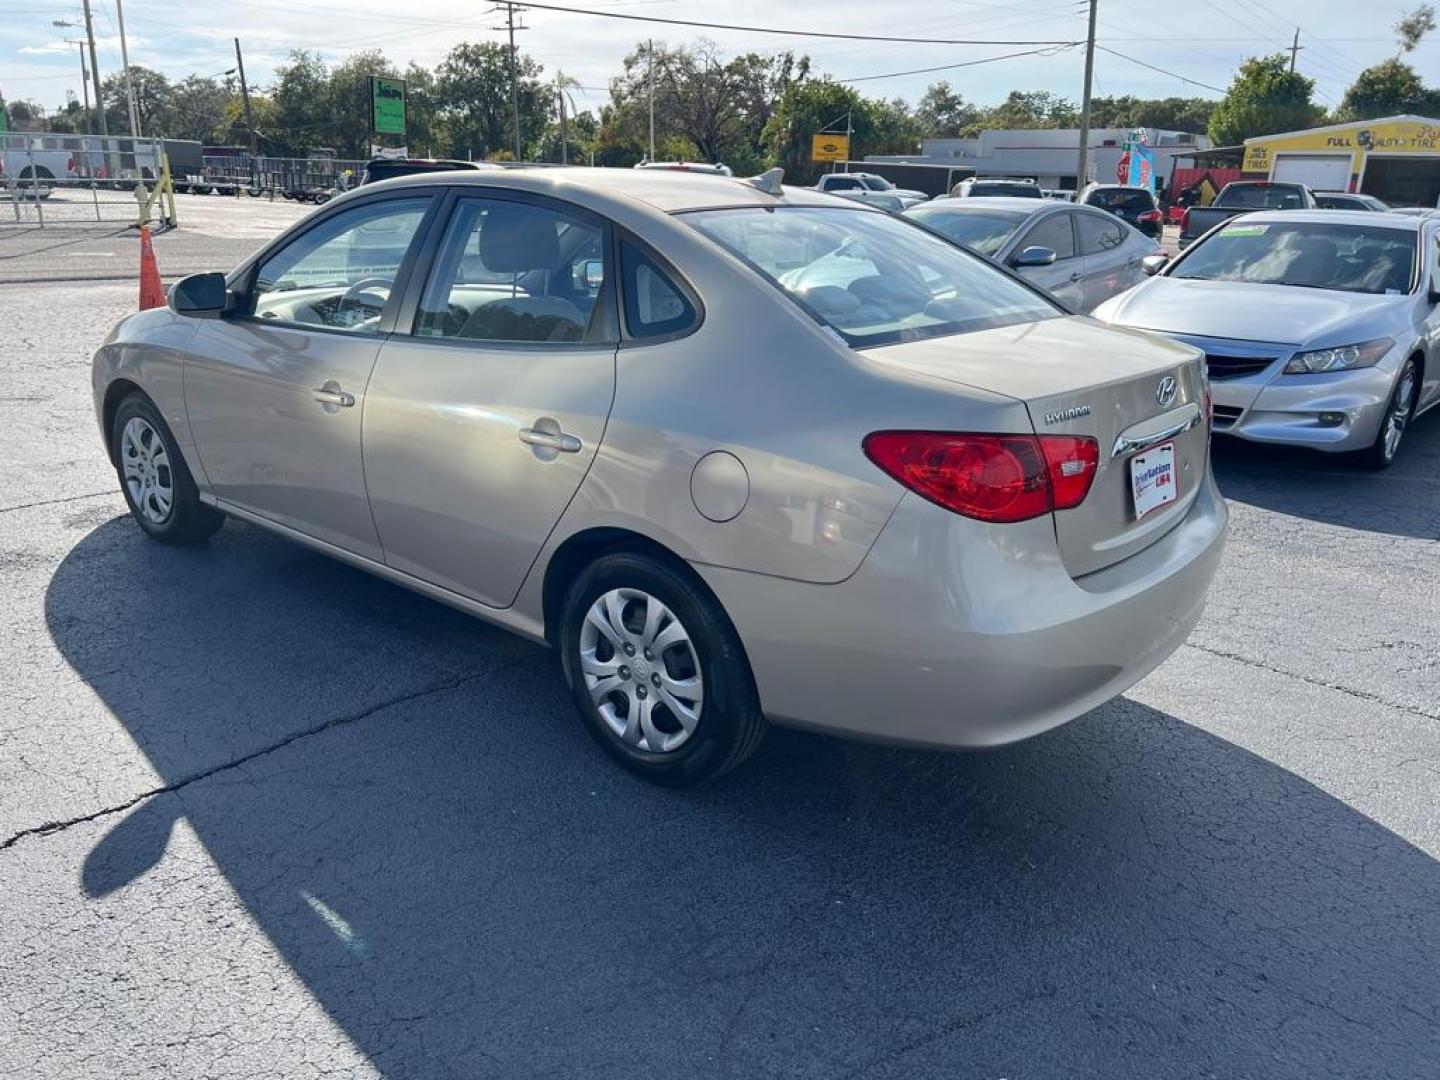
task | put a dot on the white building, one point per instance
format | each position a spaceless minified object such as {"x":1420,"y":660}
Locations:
{"x":1048,"y":155}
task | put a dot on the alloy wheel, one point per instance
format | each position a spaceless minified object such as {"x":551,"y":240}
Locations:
{"x":1398,"y":415}
{"x":146,"y":467}
{"x":641,"y":670}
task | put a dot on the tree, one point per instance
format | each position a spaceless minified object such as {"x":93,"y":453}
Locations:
{"x":1033,"y":109}
{"x":1387,"y":89}
{"x":1265,"y":97}
{"x":152,"y":94}
{"x":195,"y":108}
{"x":347,"y":102}
{"x":944,"y":114}
{"x":1413,"y":27}
{"x":301,"y":106}
{"x":472,"y":87}
{"x":1168,"y":114}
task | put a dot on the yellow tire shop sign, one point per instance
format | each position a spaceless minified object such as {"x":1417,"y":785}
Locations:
{"x":830,"y":148}
{"x":1357,"y":139}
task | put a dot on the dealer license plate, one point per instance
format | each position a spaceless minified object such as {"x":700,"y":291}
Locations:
{"x":1153,"y":482}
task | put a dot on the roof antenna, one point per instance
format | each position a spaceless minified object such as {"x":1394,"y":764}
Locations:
{"x":768,"y":181}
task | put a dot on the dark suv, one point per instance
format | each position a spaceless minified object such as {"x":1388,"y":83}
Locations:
{"x":1135,"y":205}
{"x":389,"y":168}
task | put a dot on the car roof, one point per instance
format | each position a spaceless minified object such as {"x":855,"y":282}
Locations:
{"x":1346,"y":217}
{"x":671,"y":191}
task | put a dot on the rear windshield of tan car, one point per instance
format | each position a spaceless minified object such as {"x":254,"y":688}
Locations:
{"x":873,"y":278}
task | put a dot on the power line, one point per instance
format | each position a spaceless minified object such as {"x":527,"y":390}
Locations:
{"x":1162,"y":71}
{"x":787,"y":32}
{"x":1052,"y":51}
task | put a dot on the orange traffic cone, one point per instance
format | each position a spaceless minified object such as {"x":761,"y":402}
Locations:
{"x":152,"y":292}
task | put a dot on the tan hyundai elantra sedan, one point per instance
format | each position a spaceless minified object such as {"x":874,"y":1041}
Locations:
{"x":741,"y":453}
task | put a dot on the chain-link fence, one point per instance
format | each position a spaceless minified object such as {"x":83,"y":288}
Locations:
{"x":80,"y":179}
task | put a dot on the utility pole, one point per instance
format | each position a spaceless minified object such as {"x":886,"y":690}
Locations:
{"x":84,"y":83}
{"x":131,"y":107}
{"x":1082,"y":161}
{"x":95,"y":72}
{"x":1295,"y":47}
{"x":650,"y":78}
{"x":245,"y":97}
{"x":564,"y":132}
{"x":514,"y":81}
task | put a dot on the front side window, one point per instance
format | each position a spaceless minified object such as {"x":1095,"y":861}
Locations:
{"x":512,"y":271}
{"x":844,"y":183}
{"x":1099,"y":233}
{"x":1345,"y":258}
{"x":340,"y":274}
{"x":1054,"y":233}
{"x":874,"y":278}
{"x":984,"y":231}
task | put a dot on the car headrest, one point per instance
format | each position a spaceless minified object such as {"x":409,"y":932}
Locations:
{"x":516,"y":239}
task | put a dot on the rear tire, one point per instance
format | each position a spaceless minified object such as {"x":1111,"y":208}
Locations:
{"x":1399,"y":411}
{"x":679,"y":714}
{"x":154,"y":478}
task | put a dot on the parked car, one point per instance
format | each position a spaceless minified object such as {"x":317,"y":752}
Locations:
{"x":1080,"y":255}
{"x":1059,"y":194}
{"x":987,"y":188}
{"x":687,"y":166}
{"x":868,"y":187}
{"x":1242,"y":197}
{"x":1320,"y":328}
{"x":952,"y":516}
{"x":389,"y":168}
{"x":1348,"y":200}
{"x":1134,"y":205}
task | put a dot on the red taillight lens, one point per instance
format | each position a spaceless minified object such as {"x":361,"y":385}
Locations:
{"x":1150,"y":215}
{"x":999,"y":478}
{"x":1185,"y":220}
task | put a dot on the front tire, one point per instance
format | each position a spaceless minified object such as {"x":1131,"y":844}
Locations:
{"x":657,"y":671}
{"x":157,"y":485}
{"x":1398,"y":411}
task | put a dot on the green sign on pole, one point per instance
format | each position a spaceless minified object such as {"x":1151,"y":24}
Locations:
{"x":387,"y":105}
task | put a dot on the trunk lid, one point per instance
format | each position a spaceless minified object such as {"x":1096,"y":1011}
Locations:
{"x":1080,"y":377}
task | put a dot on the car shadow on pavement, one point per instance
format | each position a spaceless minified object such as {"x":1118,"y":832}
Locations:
{"x":1403,"y":500}
{"x":470,"y":889}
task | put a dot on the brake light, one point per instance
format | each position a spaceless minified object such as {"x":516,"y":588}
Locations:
{"x":996,"y":478}
{"x":1150,"y":215}
{"x":1185,"y":220}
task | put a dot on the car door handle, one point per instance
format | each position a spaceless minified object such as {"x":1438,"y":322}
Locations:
{"x":551,"y":440}
{"x":325,"y":395}
{"x":1075,"y":276}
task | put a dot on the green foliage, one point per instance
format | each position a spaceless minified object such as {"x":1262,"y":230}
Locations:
{"x":1265,"y":97}
{"x":806,"y":109}
{"x":1033,"y":109}
{"x":472,"y":90}
{"x":1387,"y":89}
{"x":1414,"y":26}
{"x":1168,"y":114}
{"x":944,"y":114}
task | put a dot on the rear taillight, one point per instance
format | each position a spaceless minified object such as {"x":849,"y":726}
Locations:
{"x":999,"y":478}
{"x":1185,"y":220}
{"x":1149,"y":216}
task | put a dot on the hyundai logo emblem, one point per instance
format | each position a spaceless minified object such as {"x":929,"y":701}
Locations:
{"x":1165,"y":392}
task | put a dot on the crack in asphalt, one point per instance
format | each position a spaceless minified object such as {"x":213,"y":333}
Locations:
{"x":52,"y":502}
{"x":51,"y":827}
{"x":1362,"y":695}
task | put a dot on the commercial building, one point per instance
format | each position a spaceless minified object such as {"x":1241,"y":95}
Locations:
{"x":1048,"y":155}
{"x":1396,"y":158}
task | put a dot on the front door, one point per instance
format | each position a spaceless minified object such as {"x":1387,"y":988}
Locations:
{"x":488,"y":404}
{"x":1064,"y":278}
{"x":275,"y":395}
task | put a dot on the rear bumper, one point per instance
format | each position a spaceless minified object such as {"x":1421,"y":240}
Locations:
{"x":958,"y":634}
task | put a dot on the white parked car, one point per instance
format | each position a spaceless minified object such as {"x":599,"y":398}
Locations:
{"x":868,"y":187}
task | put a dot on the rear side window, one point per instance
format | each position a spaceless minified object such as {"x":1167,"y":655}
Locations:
{"x":1054,"y":233}
{"x":1099,"y":234}
{"x":1122,"y":199}
{"x":654,"y":305}
{"x":839,"y":183}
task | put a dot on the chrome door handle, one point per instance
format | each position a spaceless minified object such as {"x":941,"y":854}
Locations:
{"x":1075,"y":276}
{"x":551,"y":440}
{"x":339,"y":398}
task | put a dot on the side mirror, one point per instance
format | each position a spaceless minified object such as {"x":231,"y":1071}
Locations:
{"x":200,"y":296}
{"x":592,"y":273}
{"x":1153,"y":264}
{"x":1034,"y":255}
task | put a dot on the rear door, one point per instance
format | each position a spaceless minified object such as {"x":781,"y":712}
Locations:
{"x":488,"y":405}
{"x":1065,"y":277}
{"x":1111,"y":266}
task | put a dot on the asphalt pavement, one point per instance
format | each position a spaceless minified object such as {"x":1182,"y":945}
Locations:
{"x":264,"y":815}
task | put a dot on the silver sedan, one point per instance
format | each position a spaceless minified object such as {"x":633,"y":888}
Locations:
{"x":1080,"y":255}
{"x":740,"y":453}
{"x":1320,"y":328}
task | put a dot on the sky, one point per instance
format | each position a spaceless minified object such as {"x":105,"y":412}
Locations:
{"x":1199,"y":42}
